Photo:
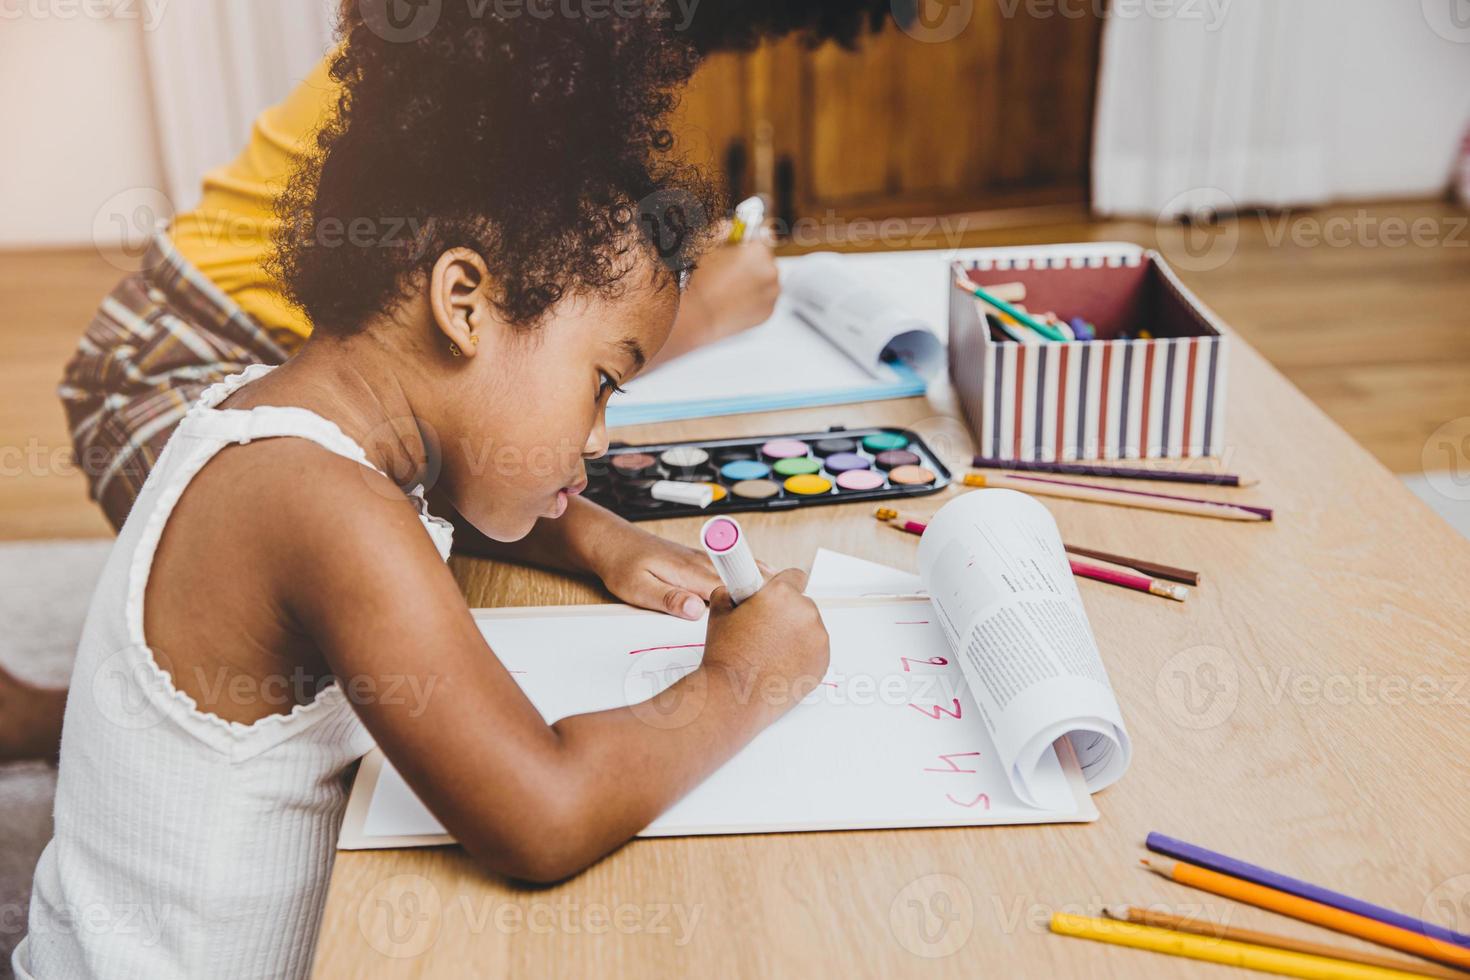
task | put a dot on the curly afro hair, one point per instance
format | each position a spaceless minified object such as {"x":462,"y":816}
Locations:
{"x":536,"y":138}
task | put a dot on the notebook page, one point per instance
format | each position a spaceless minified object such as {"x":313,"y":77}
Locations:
{"x":1006,"y":599}
{"x":862,"y":321}
{"x":890,"y":738}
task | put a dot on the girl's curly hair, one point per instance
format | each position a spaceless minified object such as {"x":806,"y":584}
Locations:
{"x":539,"y":140}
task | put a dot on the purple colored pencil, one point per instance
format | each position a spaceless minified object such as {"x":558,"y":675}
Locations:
{"x":1263,"y":512}
{"x":1194,"y":854}
{"x":1120,"y":472}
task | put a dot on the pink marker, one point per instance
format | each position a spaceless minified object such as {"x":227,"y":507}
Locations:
{"x":727,"y":548}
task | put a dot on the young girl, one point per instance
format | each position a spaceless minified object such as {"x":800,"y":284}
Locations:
{"x":280,"y":568}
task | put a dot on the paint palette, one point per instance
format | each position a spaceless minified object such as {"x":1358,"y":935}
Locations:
{"x":763,"y":473}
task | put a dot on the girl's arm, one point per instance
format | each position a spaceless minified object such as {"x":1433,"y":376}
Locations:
{"x":525,"y":798}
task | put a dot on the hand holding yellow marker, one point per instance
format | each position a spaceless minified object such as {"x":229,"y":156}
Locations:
{"x":750,"y":214}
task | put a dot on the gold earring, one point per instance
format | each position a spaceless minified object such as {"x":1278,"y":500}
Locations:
{"x":454,"y":349}
{"x":474,"y":340}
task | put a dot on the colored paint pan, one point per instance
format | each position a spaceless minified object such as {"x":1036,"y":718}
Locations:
{"x":831,"y":447}
{"x":911,"y":476}
{"x":755,"y":489}
{"x":860,"y":480}
{"x":796,"y":466}
{"x":880,"y":442}
{"x":808,"y":485}
{"x":632,"y":465}
{"x":784,"y":449}
{"x":891,"y":458}
{"x":744,"y":469}
{"x":842,"y":462}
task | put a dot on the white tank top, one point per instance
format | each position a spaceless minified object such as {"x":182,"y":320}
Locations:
{"x":187,"y":846}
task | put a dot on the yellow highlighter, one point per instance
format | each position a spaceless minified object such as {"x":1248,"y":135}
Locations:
{"x":1212,"y":950}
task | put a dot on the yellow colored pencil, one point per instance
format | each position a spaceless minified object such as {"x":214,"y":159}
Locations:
{"x":1204,"y":927}
{"x":1263,"y":958}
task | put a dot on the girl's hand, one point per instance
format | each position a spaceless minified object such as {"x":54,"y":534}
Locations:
{"x":734,"y":288}
{"x":645,"y":570}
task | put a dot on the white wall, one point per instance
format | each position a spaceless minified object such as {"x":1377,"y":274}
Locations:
{"x":76,"y":126}
{"x":1231,"y":104}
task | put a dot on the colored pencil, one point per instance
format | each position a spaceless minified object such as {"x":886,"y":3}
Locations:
{"x":1154,"y":569}
{"x":1263,"y":958}
{"x":1203,"y":927}
{"x":1093,"y":493}
{"x":1025,"y":319}
{"x":901,"y":522}
{"x":1309,"y":911}
{"x":1137,"y":583}
{"x":1206,"y":858}
{"x":1114,"y":472}
{"x":1135,"y":566}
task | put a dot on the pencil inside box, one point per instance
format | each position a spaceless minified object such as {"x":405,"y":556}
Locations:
{"x":764,"y":473}
{"x":1115,"y":397}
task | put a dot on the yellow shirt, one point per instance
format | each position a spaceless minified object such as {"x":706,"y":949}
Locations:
{"x":228,"y":236}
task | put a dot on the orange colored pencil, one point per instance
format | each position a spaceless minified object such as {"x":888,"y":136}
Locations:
{"x":1308,"y":911}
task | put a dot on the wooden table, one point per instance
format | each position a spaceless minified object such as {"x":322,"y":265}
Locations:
{"x":1307,"y":708}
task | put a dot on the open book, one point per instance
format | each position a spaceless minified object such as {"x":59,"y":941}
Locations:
{"x":986,"y":703}
{"x":837,"y":335}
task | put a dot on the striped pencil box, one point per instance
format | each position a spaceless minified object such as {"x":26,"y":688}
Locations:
{"x":1108,"y":398}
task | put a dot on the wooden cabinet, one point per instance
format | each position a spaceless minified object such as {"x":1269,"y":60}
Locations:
{"x":999,"y":116}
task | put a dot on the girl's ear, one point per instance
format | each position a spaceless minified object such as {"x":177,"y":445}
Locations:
{"x":459,"y":300}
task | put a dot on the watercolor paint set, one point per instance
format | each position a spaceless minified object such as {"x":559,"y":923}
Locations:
{"x":707,"y":477}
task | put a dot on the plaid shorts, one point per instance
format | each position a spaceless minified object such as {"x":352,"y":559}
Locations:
{"x":159,"y":339}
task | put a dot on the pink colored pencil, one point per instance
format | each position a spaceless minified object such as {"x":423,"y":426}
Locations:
{"x":1138,"y":583}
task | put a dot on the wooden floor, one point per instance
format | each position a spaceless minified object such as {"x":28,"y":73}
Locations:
{"x":1366,"y":309}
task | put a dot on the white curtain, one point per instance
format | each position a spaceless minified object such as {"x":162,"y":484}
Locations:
{"x":1225,"y":104}
{"x":214,"y":65}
